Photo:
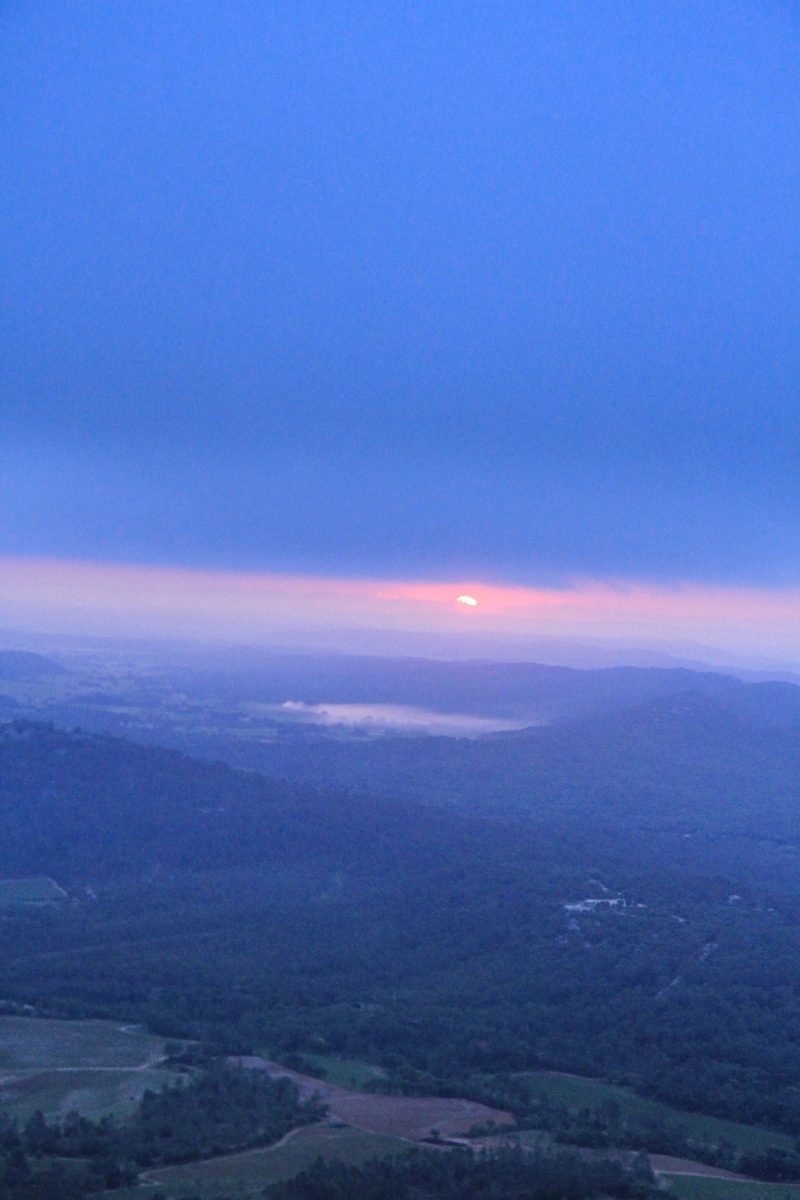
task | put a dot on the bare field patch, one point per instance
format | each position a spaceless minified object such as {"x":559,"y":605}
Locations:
{"x":413,"y":1117}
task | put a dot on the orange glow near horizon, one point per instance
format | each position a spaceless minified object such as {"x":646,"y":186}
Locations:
{"x":88,"y":597}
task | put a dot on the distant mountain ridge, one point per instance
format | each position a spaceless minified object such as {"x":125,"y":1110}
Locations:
{"x":529,"y":691}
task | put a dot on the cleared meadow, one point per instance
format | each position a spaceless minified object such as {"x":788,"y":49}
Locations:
{"x":96,"y":1068}
{"x":577,"y":1093}
{"x":696,"y":1187}
{"x":93,"y":1094}
{"x":30,"y":1043}
{"x":344,"y":1072}
{"x":247,"y":1174}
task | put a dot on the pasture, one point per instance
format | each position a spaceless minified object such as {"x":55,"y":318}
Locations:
{"x":35,"y":1043}
{"x":698,"y":1187}
{"x":344,"y":1072}
{"x":578,"y":1093}
{"x":93,"y":1094}
{"x":97,"y":1068}
{"x":247,"y":1174}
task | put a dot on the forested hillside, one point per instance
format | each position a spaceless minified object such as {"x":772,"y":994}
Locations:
{"x":441,"y":944}
{"x":93,"y":807}
{"x":709,"y":787}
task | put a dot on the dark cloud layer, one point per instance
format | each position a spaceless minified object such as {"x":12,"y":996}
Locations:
{"x":404,"y":289}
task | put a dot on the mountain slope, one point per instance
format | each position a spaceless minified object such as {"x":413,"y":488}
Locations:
{"x":80,"y":805}
{"x":249,"y":913}
{"x":684,"y":761}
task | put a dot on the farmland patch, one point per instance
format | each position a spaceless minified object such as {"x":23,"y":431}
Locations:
{"x":96,"y":1068}
{"x":36,"y":1043}
{"x":247,"y":1174}
{"x":578,"y":1093}
{"x":697,"y":1187}
{"x":344,"y":1072}
{"x":413,"y":1117}
{"x":93,"y":1094}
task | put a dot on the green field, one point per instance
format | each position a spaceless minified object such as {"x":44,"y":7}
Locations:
{"x":249,"y":1173}
{"x":34,"y":891}
{"x":30,"y":1043}
{"x":593,"y":1094}
{"x":344,"y":1072}
{"x":697,"y":1187}
{"x":93,"y":1094}
{"x":94,"y":1067}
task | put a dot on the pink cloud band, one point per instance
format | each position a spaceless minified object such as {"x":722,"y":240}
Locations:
{"x":58,"y":595}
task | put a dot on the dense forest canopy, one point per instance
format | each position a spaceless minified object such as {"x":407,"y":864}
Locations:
{"x":251,"y":913}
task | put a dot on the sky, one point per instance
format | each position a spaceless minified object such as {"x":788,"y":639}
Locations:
{"x":506,"y":293}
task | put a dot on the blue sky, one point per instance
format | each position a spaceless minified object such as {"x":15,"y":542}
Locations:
{"x":486,"y":290}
